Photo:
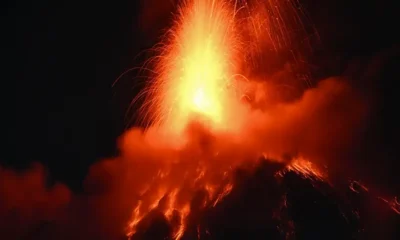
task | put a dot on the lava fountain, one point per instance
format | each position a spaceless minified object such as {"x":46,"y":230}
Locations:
{"x":199,"y":62}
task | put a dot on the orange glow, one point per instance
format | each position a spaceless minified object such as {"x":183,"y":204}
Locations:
{"x":306,"y":169}
{"x":198,"y":61}
{"x":181,"y":229}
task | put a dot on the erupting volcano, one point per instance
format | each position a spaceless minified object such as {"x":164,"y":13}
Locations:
{"x":208,"y":139}
{"x":236,"y":138}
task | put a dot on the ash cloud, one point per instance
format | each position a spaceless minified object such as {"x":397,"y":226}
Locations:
{"x":321,"y":124}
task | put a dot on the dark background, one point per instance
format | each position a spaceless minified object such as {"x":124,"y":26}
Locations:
{"x":60,"y":58}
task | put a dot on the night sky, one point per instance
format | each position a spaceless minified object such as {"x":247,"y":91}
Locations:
{"x":60,"y":59}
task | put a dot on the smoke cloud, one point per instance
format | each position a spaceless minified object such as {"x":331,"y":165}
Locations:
{"x":27,"y":204}
{"x":320,"y":125}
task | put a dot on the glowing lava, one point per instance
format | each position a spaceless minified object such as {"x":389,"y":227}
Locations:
{"x":198,"y":60}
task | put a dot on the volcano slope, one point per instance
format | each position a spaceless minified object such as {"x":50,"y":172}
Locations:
{"x":270,"y":200}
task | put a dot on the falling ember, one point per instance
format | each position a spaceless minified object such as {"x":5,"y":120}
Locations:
{"x":227,"y":189}
{"x":199,"y":60}
{"x":357,"y":187}
{"x":136,"y":217}
{"x":394,"y":204}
